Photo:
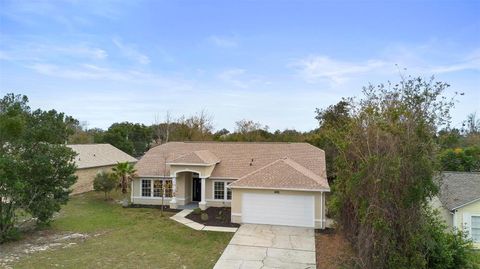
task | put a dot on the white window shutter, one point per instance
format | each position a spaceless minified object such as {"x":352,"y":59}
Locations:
{"x":467,"y":224}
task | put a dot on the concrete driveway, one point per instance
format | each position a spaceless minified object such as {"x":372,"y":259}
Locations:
{"x":257,"y":246}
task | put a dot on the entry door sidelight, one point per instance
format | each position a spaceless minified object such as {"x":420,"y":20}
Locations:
{"x":196,"y":189}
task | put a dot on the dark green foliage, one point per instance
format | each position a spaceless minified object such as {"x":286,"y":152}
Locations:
{"x":36,"y":168}
{"x":446,"y":249}
{"x":334,"y":117}
{"x":131,"y":138}
{"x":105,"y":182}
{"x":461,"y":148}
{"x":461,"y":159}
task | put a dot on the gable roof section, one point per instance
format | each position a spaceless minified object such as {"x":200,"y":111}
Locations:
{"x":95,"y":155}
{"x":459,"y":188}
{"x":237,"y":159}
{"x":197,"y":157}
{"x":282,"y":174}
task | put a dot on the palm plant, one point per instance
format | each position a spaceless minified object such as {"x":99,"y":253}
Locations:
{"x":125,"y":173}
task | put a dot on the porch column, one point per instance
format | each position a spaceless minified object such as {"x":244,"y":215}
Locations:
{"x":203,"y":202}
{"x":173,"y":201}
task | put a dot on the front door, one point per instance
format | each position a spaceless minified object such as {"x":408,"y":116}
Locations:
{"x":196,"y":189}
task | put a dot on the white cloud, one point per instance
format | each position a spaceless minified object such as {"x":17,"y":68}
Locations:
{"x":223,"y":42}
{"x":234,"y":76}
{"x":35,"y":51}
{"x":469,"y":62}
{"x":317,"y":68}
{"x":130,"y":52}
{"x":314,"y":68}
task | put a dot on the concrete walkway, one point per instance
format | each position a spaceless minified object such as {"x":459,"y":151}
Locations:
{"x":267,"y":246}
{"x":181,"y":218}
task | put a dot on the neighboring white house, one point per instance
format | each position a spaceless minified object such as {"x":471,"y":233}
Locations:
{"x":265,"y":183}
{"x":459,"y":202}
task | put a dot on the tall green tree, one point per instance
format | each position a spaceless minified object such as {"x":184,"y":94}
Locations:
{"x":132,"y":138}
{"x":36,"y":168}
{"x":385,"y":167}
{"x":335,"y":117}
{"x":124,"y":173}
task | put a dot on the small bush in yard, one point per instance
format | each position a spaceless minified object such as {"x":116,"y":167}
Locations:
{"x":105,"y":182}
{"x":197,"y":211}
{"x":220,"y":216}
{"x":204,"y":216}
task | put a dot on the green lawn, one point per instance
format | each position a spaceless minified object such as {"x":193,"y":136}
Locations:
{"x":130,"y":238}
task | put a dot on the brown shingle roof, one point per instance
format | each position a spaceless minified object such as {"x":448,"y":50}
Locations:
{"x":283,"y":174}
{"x":95,"y":155}
{"x":197,"y":157}
{"x":237,"y":159}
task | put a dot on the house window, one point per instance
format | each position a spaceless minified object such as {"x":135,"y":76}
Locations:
{"x":157,"y":188}
{"x":168,"y":188}
{"x":221,"y":191}
{"x":146,"y":188}
{"x":476,"y":229}
{"x":229,"y":192}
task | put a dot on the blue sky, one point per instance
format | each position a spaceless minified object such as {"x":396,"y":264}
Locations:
{"x":269,"y":61}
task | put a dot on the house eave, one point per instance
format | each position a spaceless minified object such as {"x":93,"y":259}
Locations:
{"x":460,"y":206}
{"x":281,"y":188}
{"x":192,"y":164}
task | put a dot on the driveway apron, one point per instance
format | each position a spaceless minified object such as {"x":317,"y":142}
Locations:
{"x":256,"y":246}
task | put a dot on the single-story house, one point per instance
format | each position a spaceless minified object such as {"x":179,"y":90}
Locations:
{"x":265,"y":183}
{"x":93,"y":158}
{"x":459,"y":202}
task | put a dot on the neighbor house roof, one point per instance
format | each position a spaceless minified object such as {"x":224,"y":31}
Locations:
{"x":197,"y":157}
{"x":284,"y":173}
{"x":302,"y":162}
{"x":459,"y":188}
{"x":95,"y":155}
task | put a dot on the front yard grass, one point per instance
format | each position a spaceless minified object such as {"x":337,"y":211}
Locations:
{"x":126,"y":238}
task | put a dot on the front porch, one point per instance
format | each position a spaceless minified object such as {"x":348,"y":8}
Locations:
{"x":186,"y":189}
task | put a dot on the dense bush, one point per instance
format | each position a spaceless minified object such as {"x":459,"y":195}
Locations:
{"x":105,"y":182}
{"x":385,"y":167}
{"x":36,"y":168}
{"x":446,"y":249}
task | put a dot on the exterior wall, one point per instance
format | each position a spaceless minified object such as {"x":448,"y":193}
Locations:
{"x":187,"y":186}
{"x":85,"y":178}
{"x":136,"y":194}
{"x":203,"y":171}
{"x":319,"y":203}
{"x":209,"y":194}
{"x":184,"y":192}
{"x":444,"y":213}
{"x":463,"y":214}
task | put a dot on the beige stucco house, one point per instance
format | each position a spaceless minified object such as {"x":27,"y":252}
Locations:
{"x":265,"y":183}
{"x":93,"y":158}
{"x":459,"y":202}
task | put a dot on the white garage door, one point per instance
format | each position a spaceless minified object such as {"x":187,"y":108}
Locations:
{"x":278,"y":209}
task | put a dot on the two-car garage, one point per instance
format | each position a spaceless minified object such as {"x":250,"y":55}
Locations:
{"x":278,"y":207}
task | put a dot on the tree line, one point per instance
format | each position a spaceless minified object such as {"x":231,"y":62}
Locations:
{"x":459,"y":148}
